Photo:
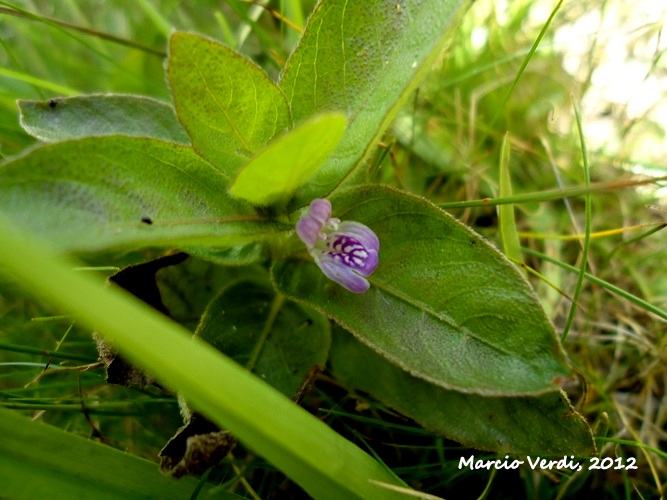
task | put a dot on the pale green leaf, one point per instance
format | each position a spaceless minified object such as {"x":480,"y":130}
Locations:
{"x":228,"y":105}
{"x":444,"y":304}
{"x":66,"y":118}
{"x":120,"y":192}
{"x":288,"y":162}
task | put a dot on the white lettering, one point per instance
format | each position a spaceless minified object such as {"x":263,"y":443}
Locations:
{"x":463,"y":462}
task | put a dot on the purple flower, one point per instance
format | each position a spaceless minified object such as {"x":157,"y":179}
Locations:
{"x":346,"y":252}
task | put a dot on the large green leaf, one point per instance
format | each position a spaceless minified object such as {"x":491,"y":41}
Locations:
{"x":288,"y":162}
{"x":94,"y":115}
{"x":228,"y":105}
{"x":122,"y":192}
{"x":322,"y":462}
{"x":363,"y":59}
{"x":40,"y":461}
{"x":278,"y":340}
{"x":444,"y":304}
{"x":542,"y":425}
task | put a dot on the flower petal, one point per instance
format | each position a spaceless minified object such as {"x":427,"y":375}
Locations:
{"x":320,"y":210}
{"x":362,"y":233}
{"x":308,"y":230}
{"x":342,"y":274}
{"x":346,"y":249}
{"x":310,"y":225}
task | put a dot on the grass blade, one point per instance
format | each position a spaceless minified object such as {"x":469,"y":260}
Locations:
{"x":41,"y":461}
{"x":506,"y":220}
{"x":587,"y":234}
{"x":303,"y":447}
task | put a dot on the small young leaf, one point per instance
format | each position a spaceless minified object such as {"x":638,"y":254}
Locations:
{"x":228,"y":105}
{"x":444,"y":304}
{"x":100,"y":193}
{"x":542,"y":425}
{"x":66,"y":118}
{"x":288,"y":162}
{"x":363,"y":59}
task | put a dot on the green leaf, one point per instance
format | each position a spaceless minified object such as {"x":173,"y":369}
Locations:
{"x":363,"y":59}
{"x":120,"y":192}
{"x":41,"y":461}
{"x":279,"y":341}
{"x":228,"y":105}
{"x":444,"y":304}
{"x":94,"y":115}
{"x":543,"y":425}
{"x":303,"y":447}
{"x":288,"y":162}
{"x":187,"y":289}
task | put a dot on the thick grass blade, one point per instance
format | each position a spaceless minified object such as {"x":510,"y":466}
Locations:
{"x":41,"y":461}
{"x":303,"y":447}
{"x":506,"y":220}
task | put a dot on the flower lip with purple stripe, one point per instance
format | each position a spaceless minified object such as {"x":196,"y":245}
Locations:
{"x":346,"y":252}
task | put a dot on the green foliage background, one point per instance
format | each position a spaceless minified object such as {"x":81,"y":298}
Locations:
{"x":446,"y":145}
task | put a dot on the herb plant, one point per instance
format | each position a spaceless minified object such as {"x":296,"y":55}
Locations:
{"x":259,"y":239}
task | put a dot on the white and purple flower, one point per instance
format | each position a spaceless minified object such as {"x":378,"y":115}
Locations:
{"x":346,"y":252}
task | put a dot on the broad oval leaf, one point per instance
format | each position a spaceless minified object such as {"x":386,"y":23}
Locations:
{"x":288,"y":162}
{"x":228,"y":105}
{"x":363,"y":59}
{"x":278,"y":340}
{"x":443,"y":305}
{"x":540,"y":425}
{"x":119,"y":192}
{"x":64,"y":118}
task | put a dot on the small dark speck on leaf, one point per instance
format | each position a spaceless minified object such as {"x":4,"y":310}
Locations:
{"x":53,"y":103}
{"x":307,"y":323}
{"x":147,"y":220}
